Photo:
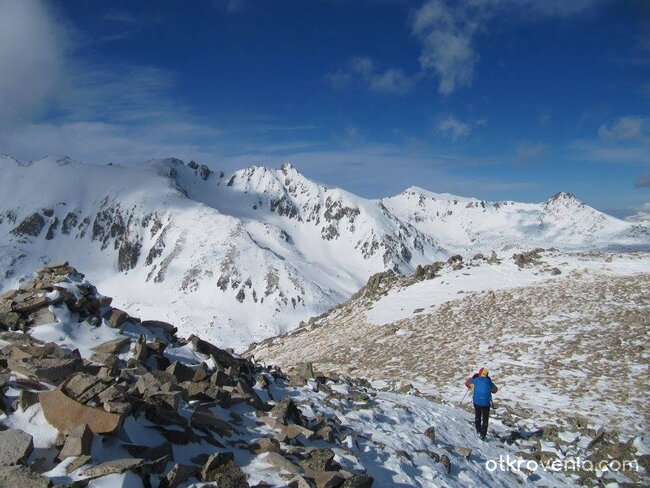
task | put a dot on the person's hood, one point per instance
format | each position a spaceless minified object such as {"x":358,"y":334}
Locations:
{"x":483,"y":372}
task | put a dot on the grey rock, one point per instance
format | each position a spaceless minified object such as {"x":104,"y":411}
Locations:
{"x":42,"y":316}
{"x":287,"y":412}
{"x":22,"y":477}
{"x":48,"y":369}
{"x":26,"y":399}
{"x":180,"y":371}
{"x":358,"y":481}
{"x":15,"y":447}
{"x":114,"y":346}
{"x":179,"y":474}
{"x":266,"y":444}
{"x":431,"y":433}
{"x":77,"y":463}
{"x":465,"y":452}
{"x":77,"y":443}
{"x":115,"y":466}
{"x":321,"y":459}
{"x":116,"y":317}
{"x":444,"y":460}
{"x":221,"y":467}
{"x":29,"y":303}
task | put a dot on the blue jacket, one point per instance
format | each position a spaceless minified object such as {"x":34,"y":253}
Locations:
{"x":483,"y":389}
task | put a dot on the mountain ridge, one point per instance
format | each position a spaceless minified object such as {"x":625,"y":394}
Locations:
{"x":254,"y":252}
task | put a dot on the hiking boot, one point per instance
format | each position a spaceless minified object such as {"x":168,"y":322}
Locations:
{"x":483,"y":436}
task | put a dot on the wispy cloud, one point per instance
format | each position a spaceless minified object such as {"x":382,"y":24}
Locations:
{"x":452,"y":128}
{"x":121,"y":17}
{"x":629,"y":128}
{"x":231,"y":6}
{"x":530,"y":151}
{"x":642,"y":181}
{"x":362,"y":72}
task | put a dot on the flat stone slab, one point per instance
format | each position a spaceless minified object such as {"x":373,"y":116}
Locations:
{"x":116,"y":466}
{"x":65,"y":414}
{"x":15,"y":447}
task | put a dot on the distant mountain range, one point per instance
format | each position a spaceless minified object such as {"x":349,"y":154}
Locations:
{"x":245,"y":256}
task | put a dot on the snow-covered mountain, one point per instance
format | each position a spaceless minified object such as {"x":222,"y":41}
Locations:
{"x":248,"y":255}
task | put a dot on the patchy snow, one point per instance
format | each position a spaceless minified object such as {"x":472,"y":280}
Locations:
{"x":401,"y":302}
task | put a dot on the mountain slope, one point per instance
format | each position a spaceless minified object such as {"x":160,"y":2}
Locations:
{"x":563,"y":334}
{"x":246,"y":256}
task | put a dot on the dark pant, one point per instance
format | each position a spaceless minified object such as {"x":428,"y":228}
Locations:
{"x":481,"y":417}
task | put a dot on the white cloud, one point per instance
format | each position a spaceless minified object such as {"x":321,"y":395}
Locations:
{"x":629,"y":128}
{"x":453,"y":128}
{"x":32,"y":51}
{"x":447,"y":31}
{"x":530,"y":151}
{"x":363,"y":72}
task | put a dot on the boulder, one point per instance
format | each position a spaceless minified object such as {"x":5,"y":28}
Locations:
{"x":431,"y":433}
{"x":48,"y":369}
{"x":465,"y":452}
{"x":42,"y":316}
{"x":208,"y":422}
{"x":116,"y":318}
{"x":26,"y":399}
{"x":358,"y":481}
{"x":180,"y":371}
{"x":167,"y":329}
{"x":79,"y":384}
{"x":201,"y":373}
{"x":266,"y":444}
{"x":179,"y":474}
{"x":286,"y":411}
{"x":65,"y":414}
{"x":29,"y":303}
{"x":321,"y":459}
{"x":221,"y":467}
{"x":22,"y":477}
{"x":113,"y":347}
{"x":298,"y":482}
{"x":15,"y":447}
{"x":444,"y":460}
{"x":281,"y":463}
{"x":10,"y":320}
{"x":327,"y":479}
{"x":140,"y":350}
{"x":121,"y":408}
{"x":77,"y":443}
{"x":302,"y":373}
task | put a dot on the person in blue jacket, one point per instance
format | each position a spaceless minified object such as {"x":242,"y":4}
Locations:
{"x":483,"y":388}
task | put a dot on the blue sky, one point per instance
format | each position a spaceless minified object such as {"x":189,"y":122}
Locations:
{"x":498,"y":99}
